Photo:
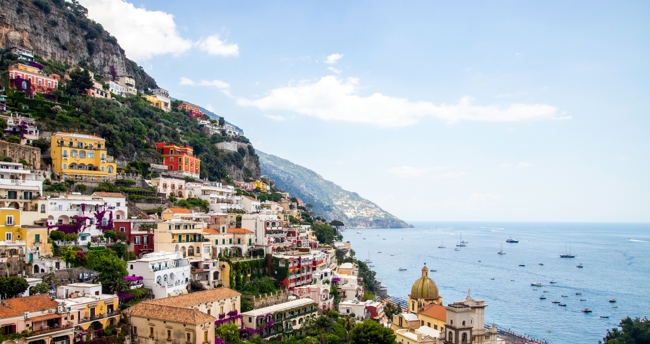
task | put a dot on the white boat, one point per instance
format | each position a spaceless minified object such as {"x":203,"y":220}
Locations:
{"x":512,"y":241}
{"x":358,"y":232}
{"x":553,"y":281}
{"x":612,"y":300}
{"x":565,"y":295}
{"x":456,"y":249}
{"x":578,"y":293}
{"x":462,"y":242}
{"x":536,"y":284}
{"x":586,"y":310}
{"x":402,"y":269}
{"x":583,"y":299}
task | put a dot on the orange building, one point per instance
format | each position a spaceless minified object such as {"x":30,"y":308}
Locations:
{"x":191,"y":109}
{"x":31,"y":79}
{"x":179,"y":160}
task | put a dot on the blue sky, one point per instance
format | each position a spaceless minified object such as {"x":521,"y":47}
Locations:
{"x":475,"y":111}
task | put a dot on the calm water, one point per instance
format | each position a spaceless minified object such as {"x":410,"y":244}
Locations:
{"x":614,"y":267}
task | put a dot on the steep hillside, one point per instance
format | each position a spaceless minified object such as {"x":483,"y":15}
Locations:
{"x":59,"y":30}
{"x":328,"y":199}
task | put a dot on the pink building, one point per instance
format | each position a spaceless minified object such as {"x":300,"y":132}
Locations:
{"x":49,"y":323}
{"x":320,"y":293}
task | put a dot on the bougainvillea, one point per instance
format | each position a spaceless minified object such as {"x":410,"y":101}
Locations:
{"x":99,"y":215}
{"x":113,"y":72}
{"x":78,"y":226}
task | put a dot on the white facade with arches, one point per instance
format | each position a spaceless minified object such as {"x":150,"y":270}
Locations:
{"x":165,"y":273}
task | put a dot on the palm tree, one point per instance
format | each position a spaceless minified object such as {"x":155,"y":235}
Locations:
{"x":323,"y":324}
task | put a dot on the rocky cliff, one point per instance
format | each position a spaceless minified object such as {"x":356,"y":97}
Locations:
{"x":59,"y":30}
{"x":328,"y":199}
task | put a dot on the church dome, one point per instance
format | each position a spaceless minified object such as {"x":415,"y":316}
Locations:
{"x":424,"y":287}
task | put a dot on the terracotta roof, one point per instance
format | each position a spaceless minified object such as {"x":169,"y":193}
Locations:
{"x":6,"y":312}
{"x":435,"y":311}
{"x":197,"y":298}
{"x":30,"y":303}
{"x":109,"y":194}
{"x":238,"y":231}
{"x":180,"y":210}
{"x":169,"y":313}
{"x":210,"y":231}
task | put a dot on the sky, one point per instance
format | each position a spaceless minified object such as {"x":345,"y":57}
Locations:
{"x":436,"y":111}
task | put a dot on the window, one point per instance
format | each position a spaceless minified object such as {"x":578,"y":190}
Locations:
{"x":239,"y":241}
{"x":82,"y":154}
{"x":171,"y":159}
{"x":223,"y":241}
{"x":91,"y":154}
{"x":65,"y":166}
{"x":205,"y":336}
{"x":65,"y":153}
{"x":230,"y":241}
{"x":118,"y":204}
{"x":10,"y":220}
{"x":103,"y":170}
{"x":73,"y":153}
{"x":135,"y":330}
{"x":189,"y":337}
{"x":220,"y":309}
{"x":145,"y":239}
{"x":232,"y":307}
{"x":122,"y":229}
{"x":80,"y":144}
{"x":110,"y":169}
{"x":42,"y":208}
{"x":137,"y":240}
{"x":104,"y":221}
{"x":151,"y":332}
{"x":8,"y":236}
{"x":169,"y":334}
{"x":37,"y":238}
{"x":206,"y":249}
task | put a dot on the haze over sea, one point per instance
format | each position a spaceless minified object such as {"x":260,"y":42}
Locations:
{"x":614,"y":255}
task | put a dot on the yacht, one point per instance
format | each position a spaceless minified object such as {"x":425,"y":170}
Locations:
{"x":461,"y":243}
{"x":562,"y":305}
{"x":553,"y":281}
{"x":522,"y":265}
{"x":543,"y":297}
{"x":578,"y":293}
{"x":501,"y":253}
{"x":541,"y":264}
{"x":586,"y":310}
{"x":583,"y":299}
{"x":546,"y":291}
{"x":402,"y":269}
{"x":442,"y":244}
{"x":368,"y":261}
{"x":358,"y":232}
{"x":612,"y":300}
{"x":456,"y":249}
{"x":536,"y":284}
{"x":512,"y":241}
{"x":555,"y":301}
{"x":567,"y":254}
{"x":604,"y":316}
{"x":565,"y":295}
{"x":579,"y":266}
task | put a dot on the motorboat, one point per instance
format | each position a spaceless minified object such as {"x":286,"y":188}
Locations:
{"x":583,"y":299}
{"x":392,"y":255}
{"x":541,"y":264}
{"x":542,"y":297}
{"x":612,"y":300}
{"x":402,"y":269}
{"x":492,"y":278}
{"x":579,"y":266}
{"x":545,"y":291}
{"x":565,"y":295}
{"x":586,"y":310}
{"x":578,"y":293}
{"x":364,"y":238}
{"x":604,"y":316}
{"x":553,"y":281}
{"x":512,"y":241}
{"x":614,"y":306}
{"x":456,"y":249}
{"x":522,"y":265}
{"x":562,"y":305}
{"x":358,"y":232}
{"x":464,"y":242}
{"x":555,"y":301}
{"x":536,"y":284}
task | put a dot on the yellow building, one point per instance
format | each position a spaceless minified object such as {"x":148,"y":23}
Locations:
{"x":16,"y":240}
{"x":152,"y":323}
{"x":424,"y":309}
{"x":258,"y":184}
{"x":87,"y":301}
{"x":81,"y":157}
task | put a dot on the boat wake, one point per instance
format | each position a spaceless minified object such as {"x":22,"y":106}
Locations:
{"x":635,"y":240}
{"x":497,"y":229}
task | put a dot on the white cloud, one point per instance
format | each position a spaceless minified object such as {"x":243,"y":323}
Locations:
{"x":333,"y":70}
{"x":411,"y":171}
{"x":223,"y":86}
{"x":517,"y":165}
{"x":144,"y":34}
{"x":332,"y":59}
{"x":332,"y":98}
{"x":449,"y":175}
{"x":275,"y":118}
{"x":213,"y":45}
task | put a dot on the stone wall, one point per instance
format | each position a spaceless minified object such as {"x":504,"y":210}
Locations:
{"x":16,"y":152}
{"x":266,"y":300}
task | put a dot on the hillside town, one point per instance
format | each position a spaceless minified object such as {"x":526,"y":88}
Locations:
{"x":97,"y":250}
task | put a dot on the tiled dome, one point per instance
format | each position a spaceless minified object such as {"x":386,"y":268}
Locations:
{"x":424,"y":287}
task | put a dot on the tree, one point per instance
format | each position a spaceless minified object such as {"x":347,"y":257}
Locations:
{"x":121,"y":236}
{"x":222,"y":121}
{"x":111,"y":269}
{"x":40,"y":288}
{"x":172,"y":197}
{"x":229,"y":333}
{"x":74,"y":255}
{"x":390,"y":309}
{"x":635,"y":331}
{"x":80,"y":82}
{"x":57,"y":235}
{"x":110,"y":234}
{"x":70,"y":237}
{"x":12,"y":286}
{"x":370,"y":332}
{"x":337,"y":223}
{"x":119,"y":249}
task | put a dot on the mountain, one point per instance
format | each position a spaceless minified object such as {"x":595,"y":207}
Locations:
{"x":328,"y":199}
{"x":60,"y":30}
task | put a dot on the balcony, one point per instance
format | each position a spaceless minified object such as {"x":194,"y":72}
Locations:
{"x":46,"y":329}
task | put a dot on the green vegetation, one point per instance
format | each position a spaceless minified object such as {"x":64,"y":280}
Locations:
{"x":325,"y":233}
{"x":111,"y":269}
{"x":193,"y":203}
{"x":40,"y":288}
{"x":12,"y":286}
{"x":633,"y":331}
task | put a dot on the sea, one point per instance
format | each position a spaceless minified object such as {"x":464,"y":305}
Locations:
{"x":615,"y":259}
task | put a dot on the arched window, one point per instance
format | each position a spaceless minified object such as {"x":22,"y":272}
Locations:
{"x":464,"y":337}
{"x":82,"y":154}
{"x":413,"y":306}
{"x":451,"y":322}
{"x":73,"y":153}
{"x":110,"y":169}
{"x":42,"y":208}
{"x":463,"y":322}
{"x":451,"y":336}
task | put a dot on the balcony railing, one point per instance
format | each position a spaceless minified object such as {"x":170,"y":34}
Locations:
{"x":46,"y":329}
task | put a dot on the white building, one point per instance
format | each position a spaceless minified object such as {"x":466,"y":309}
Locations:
{"x":292,"y":315}
{"x":268,"y":229}
{"x":128,"y":85}
{"x":163,"y":96}
{"x":115,"y":88}
{"x":96,"y":211}
{"x":84,"y":301}
{"x":317,"y":292}
{"x":165,"y":273}
{"x":18,"y":184}
{"x":22,"y":125}
{"x":356,"y":307}
{"x":221,"y":198}
{"x":169,"y":185}
{"x":250,"y":204}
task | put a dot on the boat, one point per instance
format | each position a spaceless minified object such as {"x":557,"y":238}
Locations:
{"x":586,"y":310}
{"x":384,"y":239}
{"x":536,"y":284}
{"x":612,"y":300}
{"x":567,"y":254}
{"x":604,"y":316}
{"x":579,"y":266}
{"x":546,"y":291}
{"x":541,"y":264}
{"x":402,"y":269}
{"x":364,"y":238}
{"x":553,"y":281}
{"x":392,"y":255}
{"x":555,"y":301}
{"x":614,"y":306}
{"x":358,"y":232}
{"x":562,"y":305}
{"x":501,"y":253}
{"x":492,"y":278}
{"x":578,"y":293}
{"x":522,"y":265}
{"x":583,"y":299}
{"x":542,"y":297}
{"x":442,"y":244}
{"x":462,"y":242}
{"x":512,"y":241}
{"x":379,"y":252}
{"x":367,"y":261}
{"x":456,"y":249}
{"x":565,"y":295}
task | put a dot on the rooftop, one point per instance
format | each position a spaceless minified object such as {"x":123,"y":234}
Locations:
{"x":238,"y":231}
{"x":435,"y":311}
{"x":180,"y":210}
{"x":168,"y":313}
{"x":109,"y":194}
{"x":280,"y":307}
{"x":199,"y":297}
{"x":30,"y":303}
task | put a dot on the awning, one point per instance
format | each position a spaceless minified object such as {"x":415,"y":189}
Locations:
{"x":46,"y":317}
